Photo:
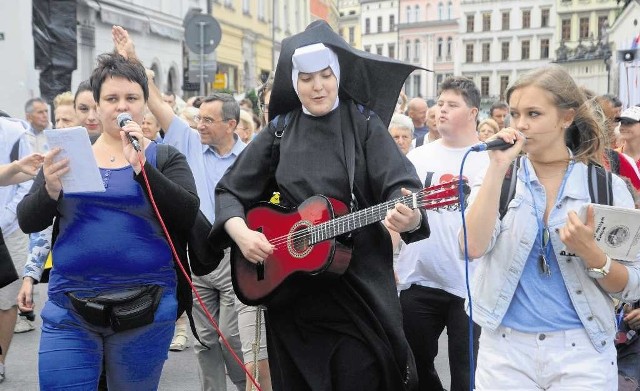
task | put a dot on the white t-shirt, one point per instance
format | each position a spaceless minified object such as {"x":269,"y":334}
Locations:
{"x":435,"y":262}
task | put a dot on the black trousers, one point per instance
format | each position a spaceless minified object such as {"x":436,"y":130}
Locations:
{"x":426,"y":312}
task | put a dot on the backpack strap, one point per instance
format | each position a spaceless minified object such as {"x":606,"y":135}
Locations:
{"x":600,"y":184}
{"x":278,"y":125}
{"x":15,"y":151}
{"x":508,"y":190}
{"x":162,"y":155}
{"x":428,"y":179}
{"x":159,"y":159}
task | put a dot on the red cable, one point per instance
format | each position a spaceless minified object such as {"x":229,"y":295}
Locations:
{"x":184,"y":272}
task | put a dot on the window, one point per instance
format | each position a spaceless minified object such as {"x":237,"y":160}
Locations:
{"x":440,"y":11}
{"x":341,"y":32}
{"x":486,"y":52}
{"x":449,"y":44}
{"x":505,"y":51}
{"x":526,"y":46}
{"x":505,"y":20}
{"x":262,"y":13}
{"x":409,"y":15}
{"x":418,"y":16}
{"x":416,"y":85}
{"x":469,"y":52}
{"x":379,"y":22}
{"x":392,"y":50}
{"x":526,"y":19}
{"x":367,"y":48}
{"x":407,"y":50}
{"x":352,"y":34}
{"x":566,"y":29}
{"x":392,"y":23}
{"x":544,"y":48}
{"x":469,"y":23}
{"x":449,"y":10}
{"x":486,"y":22}
{"x":544,"y":18}
{"x":603,"y":25}
{"x":504,"y":83}
{"x":484,"y":86}
{"x":367,"y":26}
{"x":416,"y":49}
{"x":439,"y":56}
{"x":245,"y":7}
{"x":379,"y":50}
{"x":584,"y":27}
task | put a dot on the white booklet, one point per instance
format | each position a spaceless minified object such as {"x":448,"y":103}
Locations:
{"x":617,"y":230}
{"x":84,"y":175}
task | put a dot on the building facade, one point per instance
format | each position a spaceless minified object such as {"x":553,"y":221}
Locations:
{"x":428,"y":36}
{"x":500,"y":41}
{"x":155,"y":25}
{"x":379,"y":26}
{"x":349,"y":22}
{"x":583,"y":46}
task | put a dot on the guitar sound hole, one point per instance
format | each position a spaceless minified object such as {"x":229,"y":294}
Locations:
{"x":299,"y":240}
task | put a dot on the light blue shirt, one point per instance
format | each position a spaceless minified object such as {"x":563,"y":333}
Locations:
{"x":206,"y":164}
{"x":501,"y":268}
{"x":12,"y":130}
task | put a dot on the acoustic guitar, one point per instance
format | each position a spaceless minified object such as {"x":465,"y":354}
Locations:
{"x":305,"y":238}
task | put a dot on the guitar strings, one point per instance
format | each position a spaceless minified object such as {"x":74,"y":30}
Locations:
{"x":337,"y":221}
{"x":306,"y":232}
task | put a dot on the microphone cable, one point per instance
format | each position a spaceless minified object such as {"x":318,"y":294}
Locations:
{"x":188,"y":278}
{"x":462,"y":203}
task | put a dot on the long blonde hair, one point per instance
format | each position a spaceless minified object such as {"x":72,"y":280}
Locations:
{"x":586,"y":134}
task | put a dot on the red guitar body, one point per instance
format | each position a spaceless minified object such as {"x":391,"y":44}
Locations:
{"x":257,"y":284}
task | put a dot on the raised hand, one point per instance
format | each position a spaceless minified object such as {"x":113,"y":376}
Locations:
{"x":123,"y":43}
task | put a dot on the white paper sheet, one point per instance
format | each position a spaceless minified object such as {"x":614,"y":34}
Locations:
{"x":84,"y":175}
{"x":617,"y":230}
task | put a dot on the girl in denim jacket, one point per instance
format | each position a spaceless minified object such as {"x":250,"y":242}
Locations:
{"x":543,"y":290}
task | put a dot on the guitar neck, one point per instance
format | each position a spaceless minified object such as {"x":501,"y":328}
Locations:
{"x":434,"y":197}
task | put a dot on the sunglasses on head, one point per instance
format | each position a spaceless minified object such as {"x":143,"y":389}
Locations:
{"x":627,"y":121}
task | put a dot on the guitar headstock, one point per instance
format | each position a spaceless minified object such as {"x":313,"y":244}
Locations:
{"x":444,"y":195}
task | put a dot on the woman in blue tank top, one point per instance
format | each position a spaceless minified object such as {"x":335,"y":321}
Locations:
{"x":112,"y":292}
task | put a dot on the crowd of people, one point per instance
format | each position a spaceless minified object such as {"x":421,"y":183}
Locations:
{"x":550,"y":308}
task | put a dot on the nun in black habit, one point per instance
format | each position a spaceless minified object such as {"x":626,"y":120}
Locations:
{"x":343,"y":333}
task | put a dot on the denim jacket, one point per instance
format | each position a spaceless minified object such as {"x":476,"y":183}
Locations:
{"x":499,"y":271}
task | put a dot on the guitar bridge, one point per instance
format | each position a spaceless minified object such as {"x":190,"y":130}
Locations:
{"x":260,"y":271}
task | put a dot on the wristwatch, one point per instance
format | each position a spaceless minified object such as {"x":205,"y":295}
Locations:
{"x":597,"y":273}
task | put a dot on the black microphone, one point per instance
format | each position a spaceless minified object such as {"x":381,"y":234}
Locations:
{"x":122,"y":120}
{"x":497,"y":144}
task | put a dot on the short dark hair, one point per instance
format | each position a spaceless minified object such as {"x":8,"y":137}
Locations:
{"x":230,"y":108}
{"x":82,"y":87}
{"x":498,"y":105}
{"x":465,"y":87}
{"x":615,"y":101}
{"x":115,"y":65}
{"x":28,"y":107}
{"x":170,"y":93}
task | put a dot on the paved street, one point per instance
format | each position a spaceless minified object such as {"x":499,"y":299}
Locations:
{"x":180,"y":372}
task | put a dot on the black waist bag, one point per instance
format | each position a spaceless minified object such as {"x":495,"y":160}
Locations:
{"x":121,"y":311}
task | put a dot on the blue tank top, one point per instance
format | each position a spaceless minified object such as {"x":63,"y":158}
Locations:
{"x":111,"y":239}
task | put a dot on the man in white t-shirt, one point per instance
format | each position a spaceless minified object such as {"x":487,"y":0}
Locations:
{"x":431,"y":276}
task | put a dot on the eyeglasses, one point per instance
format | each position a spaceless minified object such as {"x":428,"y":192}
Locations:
{"x":264,"y":108}
{"x":207,"y":121}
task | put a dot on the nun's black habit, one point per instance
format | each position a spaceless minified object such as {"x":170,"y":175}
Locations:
{"x":342,"y":334}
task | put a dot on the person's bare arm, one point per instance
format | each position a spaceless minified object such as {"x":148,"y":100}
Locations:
{"x":160,"y":109}
{"x":20,"y":170}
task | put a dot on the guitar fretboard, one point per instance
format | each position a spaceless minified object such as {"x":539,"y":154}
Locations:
{"x":429,"y":198}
